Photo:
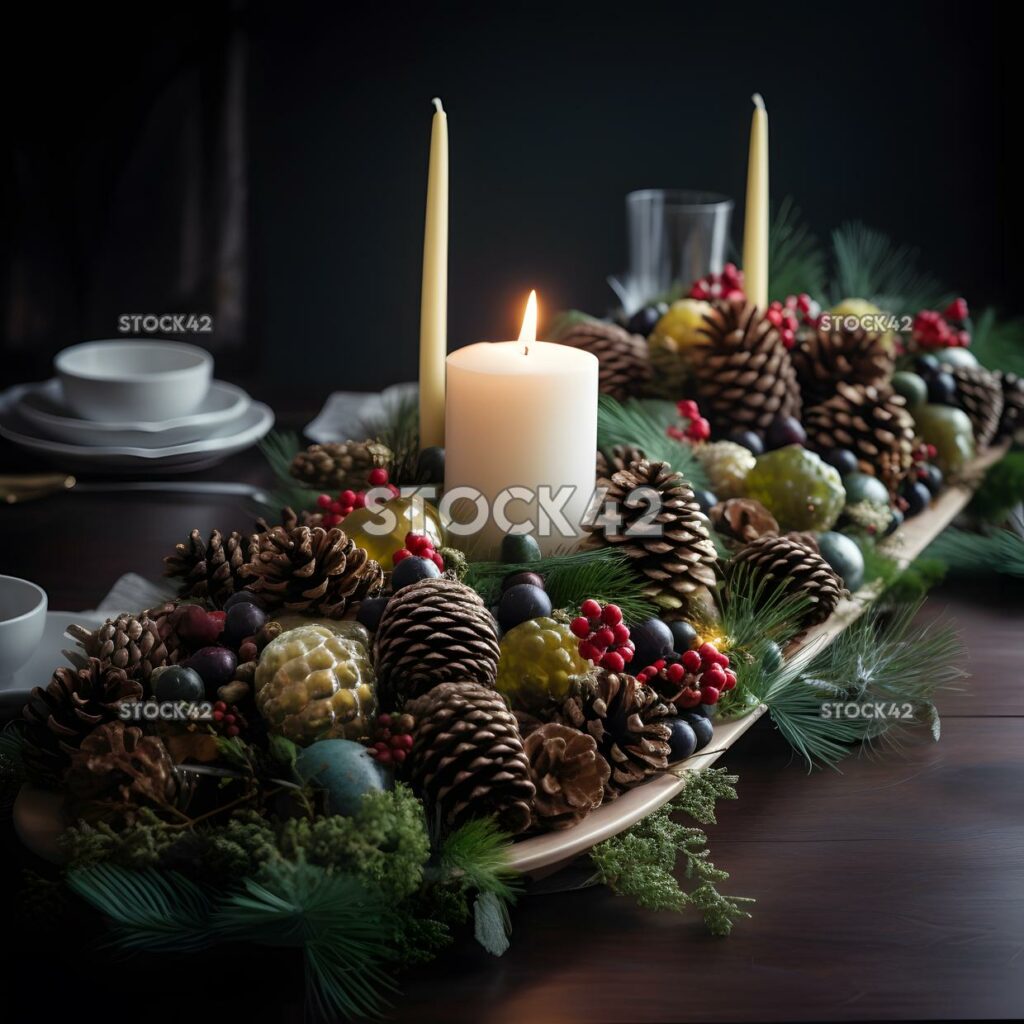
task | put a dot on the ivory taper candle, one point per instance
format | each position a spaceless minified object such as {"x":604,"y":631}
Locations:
{"x":755,"y":224}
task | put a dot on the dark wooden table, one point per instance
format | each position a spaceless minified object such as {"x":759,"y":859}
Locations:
{"x":894,"y":890}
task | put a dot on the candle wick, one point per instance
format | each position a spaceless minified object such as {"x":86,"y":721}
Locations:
{"x":758,"y":100}
{"x":526,"y":350}
{"x":437,"y":105}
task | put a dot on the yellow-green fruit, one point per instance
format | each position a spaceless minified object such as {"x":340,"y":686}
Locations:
{"x":951,"y":432}
{"x":312,"y":684}
{"x":726,"y":465}
{"x":382,"y":533}
{"x":668,"y":347}
{"x":683,"y":322}
{"x":799,"y":488}
{"x":539,"y":662}
{"x":870,"y":313}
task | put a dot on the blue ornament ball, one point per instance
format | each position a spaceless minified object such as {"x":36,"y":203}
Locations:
{"x":345,"y":770}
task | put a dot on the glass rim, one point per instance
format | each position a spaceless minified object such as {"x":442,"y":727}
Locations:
{"x":684,"y":199}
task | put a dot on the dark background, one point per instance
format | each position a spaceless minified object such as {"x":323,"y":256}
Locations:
{"x":266,"y":163}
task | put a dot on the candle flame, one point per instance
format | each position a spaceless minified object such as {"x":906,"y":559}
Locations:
{"x":529,"y":331}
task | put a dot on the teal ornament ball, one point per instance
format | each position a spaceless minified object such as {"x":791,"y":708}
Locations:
{"x":845,"y":556}
{"x":345,"y":770}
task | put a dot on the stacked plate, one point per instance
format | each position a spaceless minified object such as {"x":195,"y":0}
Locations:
{"x":95,"y":414}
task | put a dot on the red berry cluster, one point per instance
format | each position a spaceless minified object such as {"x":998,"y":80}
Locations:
{"x":392,"y":738}
{"x":335,"y":509}
{"x":925,"y":452}
{"x":603,"y":636}
{"x":227,"y":719}
{"x":947,"y":329}
{"x":788,"y":316}
{"x":696,"y":429}
{"x":420,"y":545}
{"x":727,"y":285}
{"x":702,"y":676}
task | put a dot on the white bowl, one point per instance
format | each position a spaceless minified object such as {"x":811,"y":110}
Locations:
{"x":131,"y":380}
{"x":42,"y":406}
{"x":22,"y":618}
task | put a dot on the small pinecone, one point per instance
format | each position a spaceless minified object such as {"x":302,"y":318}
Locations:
{"x":744,"y":377}
{"x":467,"y":757}
{"x":628,"y":721}
{"x":825,"y":357}
{"x":979,"y":392}
{"x":680,"y":557}
{"x":290,"y":519}
{"x":624,"y":368}
{"x":75,"y":702}
{"x":791,"y":564}
{"x":434,"y":631}
{"x":208,"y":570}
{"x":335,"y":466}
{"x":1013,"y":404}
{"x":118,"y":771}
{"x":310,"y":569}
{"x":622,"y":455}
{"x":871,"y":422}
{"x":743,"y":520}
{"x":129,"y":642}
{"x":569,"y":773}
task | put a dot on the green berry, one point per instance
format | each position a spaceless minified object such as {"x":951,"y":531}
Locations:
{"x":517,"y":549}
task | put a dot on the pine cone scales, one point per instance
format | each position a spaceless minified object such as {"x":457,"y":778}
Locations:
{"x":788,"y":562}
{"x":569,"y":773}
{"x":744,"y":376}
{"x":618,"y":459}
{"x":672,"y":547}
{"x":743,"y":520}
{"x":826,"y":357}
{"x":310,"y":569}
{"x":979,"y":392}
{"x":624,"y":368}
{"x":1013,"y":404}
{"x":467,"y":756}
{"x":434,"y":631}
{"x":208,"y":570}
{"x":335,"y":466}
{"x":873,"y":423}
{"x":629,"y":723}
{"x":129,"y":642}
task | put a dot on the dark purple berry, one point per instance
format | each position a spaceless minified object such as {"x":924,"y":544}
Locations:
{"x":412,"y":570}
{"x":534,"y":579}
{"x":521,"y":603}
{"x":941,"y":388}
{"x":701,"y":725}
{"x":917,"y":496}
{"x":242,"y":620}
{"x":843,"y":459}
{"x":932,"y":478}
{"x":370,"y":611}
{"x":682,"y":740}
{"x":684,"y":636}
{"x":644,"y":320}
{"x":706,"y":499}
{"x":243,"y":597}
{"x":651,"y":640}
{"x":785,"y":430}
{"x":748,"y":439}
{"x":215,"y":665}
{"x":179,"y":683}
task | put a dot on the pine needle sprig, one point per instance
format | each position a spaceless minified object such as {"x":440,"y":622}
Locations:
{"x":1000,"y":551}
{"x":999,"y":344}
{"x":635,"y":422}
{"x":279,"y":448}
{"x":795,"y":257}
{"x":398,"y":426}
{"x":1001,"y":490}
{"x":477,"y":854}
{"x":753,"y":611}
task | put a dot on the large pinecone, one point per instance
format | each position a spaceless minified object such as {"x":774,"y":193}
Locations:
{"x":620,"y":457}
{"x":679,"y":557}
{"x":467,"y":757}
{"x":434,"y":631}
{"x":744,"y":377}
{"x":208,"y":570}
{"x":788,"y":563}
{"x":59,"y":717}
{"x":118,"y":771}
{"x":871,"y":422}
{"x":825,"y":357}
{"x":339,"y":465}
{"x":1013,"y":404}
{"x":310,"y":569}
{"x":569,"y":773}
{"x":624,"y":368}
{"x":979,"y":392}
{"x":629,"y":722}
{"x":129,"y":642}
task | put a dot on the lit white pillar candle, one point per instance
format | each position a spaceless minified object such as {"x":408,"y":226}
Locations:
{"x":521,"y":422}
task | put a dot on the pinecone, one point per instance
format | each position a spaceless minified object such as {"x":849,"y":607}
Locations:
{"x":726,"y":465}
{"x":628,"y":721}
{"x":434,"y":631}
{"x":569,"y":773}
{"x":290,"y":519}
{"x":789,"y":563}
{"x":744,"y":377}
{"x":467,"y":757}
{"x":979,"y":392}
{"x":680,"y":557}
{"x":622,"y":455}
{"x":743,"y":520}
{"x":871,"y":422}
{"x":624,"y":368}
{"x":310,"y":569}
{"x":75,"y":702}
{"x":210,"y":570}
{"x":129,"y":642}
{"x":825,"y":357}
{"x":1013,"y":404}
{"x":339,"y":465}
{"x":118,"y":771}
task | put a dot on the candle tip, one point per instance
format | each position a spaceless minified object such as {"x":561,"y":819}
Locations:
{"x":529,"y":332}
{"x":437,"y":105}
{"x":758,"y":100}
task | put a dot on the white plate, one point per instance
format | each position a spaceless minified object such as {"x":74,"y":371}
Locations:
{"x":42,"y":405}
{"x":48,"y":655}
{"x":251,"y":426}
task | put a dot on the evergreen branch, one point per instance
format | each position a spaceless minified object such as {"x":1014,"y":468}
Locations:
{"x":477,"y":854}
{"x":638,"y":423}
{"x":795,"y":258}
{"x":999,"y":344}
{"x":754,"y":610}
{"x":399,"y":428}
{"x":279,"y":447}
{"x":1001,"y":490}
{"x":1000,"y":551}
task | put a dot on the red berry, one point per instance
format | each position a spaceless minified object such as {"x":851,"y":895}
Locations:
{"x":688,"y":408}
{"x":708,"y":652}
{"x":709,"y":694}
{"x":384,"y":720}
{"x":377,"y":477}
{"x":626,"y":653}
{"x":437,"y":560}
{"x":691,"y":661}
{"x":398,"y":755}
{"x":722,"y":659}
{"x":621,"y":632}
{"x":232,"y":730}
{"x":359,"y":501}
{"x":384,"y":756}
{"x":714,"y":676}
{"x":580,"y":627}
{"x":347,"y":497}
{"x":613,"y":662}
{"x":218,"y":716}
{"x":589,"y":651}
{"x":957,"y":310}
{"x":611,"y":615}
{"x":688,"y":699}
{"x":700,"y":429}
{"x":676,"y":673}
{"x":730,"y":679}
{"x":406,"y":739}
{"x":324,"y":501}
{"x":400,"y":555}
{"x":604,"y":637}
{"x":591,"y":609}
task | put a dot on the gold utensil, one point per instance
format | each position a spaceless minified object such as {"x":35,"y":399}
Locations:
{"x":18,"y":487}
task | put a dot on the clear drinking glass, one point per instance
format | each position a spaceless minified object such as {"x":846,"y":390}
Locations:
{"x":674,"y":236}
